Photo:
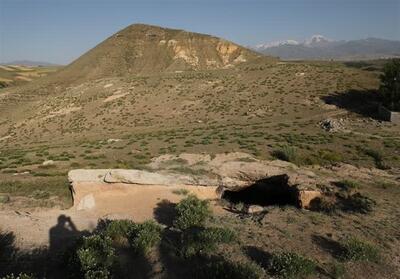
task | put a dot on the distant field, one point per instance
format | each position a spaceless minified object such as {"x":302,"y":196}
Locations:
{"x":17,"y":74}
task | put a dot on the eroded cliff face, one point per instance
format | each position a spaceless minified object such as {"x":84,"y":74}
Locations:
{"x":145,"y":49}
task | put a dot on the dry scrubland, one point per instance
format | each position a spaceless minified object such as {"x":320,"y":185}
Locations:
{"x":11,"y":75}
{"x":265,"y":107}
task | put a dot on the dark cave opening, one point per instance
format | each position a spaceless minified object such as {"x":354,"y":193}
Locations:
{"x":273,"y":190}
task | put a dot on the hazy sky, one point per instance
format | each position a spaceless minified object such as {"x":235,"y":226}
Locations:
{"x":59,"y":31}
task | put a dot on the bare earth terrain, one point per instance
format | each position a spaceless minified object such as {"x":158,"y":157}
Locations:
{"x":182,"y":104}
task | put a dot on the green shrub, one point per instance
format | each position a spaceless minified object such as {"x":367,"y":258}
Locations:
{"x":357,"y":203}
{"x":329,"y":156}
{"x":94,"y":257}
{"x":290,"y":265}
{"x":338,"y":271}
{"x":196,"y":241}
{"x":286,"y":153}
{"x":144,"y":236}
{"x":378,"y":158}
{"x":357,"y":250}
{"x":4,"y":198}
{"x":347,"y":185}
{"x":118,"y":230}
{"x":191,"y":211}
{"x":223,"y":269}
{"x":182,"y":192}
{"x":324,"y":204}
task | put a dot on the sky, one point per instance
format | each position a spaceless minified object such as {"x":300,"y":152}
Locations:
{"x":59,"y":31}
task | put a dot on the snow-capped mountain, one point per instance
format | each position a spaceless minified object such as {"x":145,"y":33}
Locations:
{"x":319,"y":47}
{"x":317,"y":40}
{"x":277,"y":43}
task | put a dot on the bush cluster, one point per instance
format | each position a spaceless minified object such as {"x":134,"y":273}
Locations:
{"x":358,"y":250}
{"x":290,"y":265}
{"x":191,"y":212}
{"x":222,"y":269}
{"x":286,"y":153}
{"x":93,"y":257}
{"x":197,"y":241}
{"x":144,"y":236}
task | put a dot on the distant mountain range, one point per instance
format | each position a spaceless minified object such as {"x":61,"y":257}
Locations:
{"x":29,"y":63}
{"x":320,"y":48}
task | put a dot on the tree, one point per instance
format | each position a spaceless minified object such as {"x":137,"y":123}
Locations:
{"x":390,"y":85}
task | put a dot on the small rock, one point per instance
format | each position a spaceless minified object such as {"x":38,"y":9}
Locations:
{"x":331,"y":125}
{"x":108,"y":85}
{"x":255,"y":209}
{"x":306,"y":197}
{"x":48,"y":163}
{"x":113,"y":140}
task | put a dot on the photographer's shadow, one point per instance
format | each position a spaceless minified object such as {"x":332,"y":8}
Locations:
{"x":63,"y":234}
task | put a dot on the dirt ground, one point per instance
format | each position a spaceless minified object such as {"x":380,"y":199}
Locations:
{"x":279,"y":228}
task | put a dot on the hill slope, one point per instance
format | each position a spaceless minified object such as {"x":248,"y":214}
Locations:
{"x":224,"y":106}
{"x":145,"y":49}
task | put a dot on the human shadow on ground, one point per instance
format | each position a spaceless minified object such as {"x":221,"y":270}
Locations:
{"x":165,"y":212}
{"x":43,"y":262}
{"x":362,"y":102}
{"x":62,"y":234}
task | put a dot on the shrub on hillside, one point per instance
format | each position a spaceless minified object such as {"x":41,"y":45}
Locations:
{"x":357,"y":250}
{"x":144,"y":236}
{"x":118,"y":230}
{"x":347,"y":185}
{"x":290,"y":265}
{"x":357,"y":203}
{"x":378,"y":158}
{"x":191,"y":212}
{"x":196,"y":241}
{"x":93,"y":258}
{"x":286,"y":153}
{"x":222,"y":269}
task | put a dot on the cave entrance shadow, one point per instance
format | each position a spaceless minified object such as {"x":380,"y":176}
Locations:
{"x":362,"y":102}
{"x":273,"y":190}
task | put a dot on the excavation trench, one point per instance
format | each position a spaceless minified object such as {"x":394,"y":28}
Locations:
{"x":274,"y":190}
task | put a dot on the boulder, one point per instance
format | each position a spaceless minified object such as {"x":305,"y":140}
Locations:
{"x":48,"y":163}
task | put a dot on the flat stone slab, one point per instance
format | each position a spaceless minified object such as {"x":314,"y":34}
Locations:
{"x":146,"y":178}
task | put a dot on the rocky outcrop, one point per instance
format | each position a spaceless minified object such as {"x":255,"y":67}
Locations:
{"x":227,"y":172}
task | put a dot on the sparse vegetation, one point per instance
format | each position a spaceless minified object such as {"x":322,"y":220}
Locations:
{"x":291,"y":265}
{"x":93,"y":258}
{"x":191,"y":212}
{"x":200,"y":240}
{"x":286,"y":153}
{"x":222,"y":269}
{"x":144,"y":236}
{"x":358,"y":250}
